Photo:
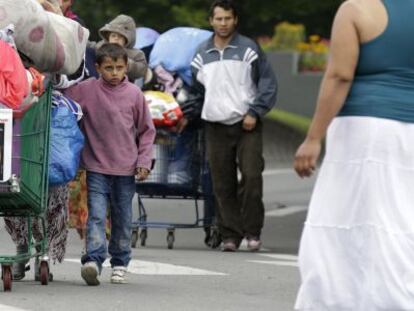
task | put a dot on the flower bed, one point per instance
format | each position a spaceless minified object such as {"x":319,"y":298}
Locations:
{"x":313,"y":54}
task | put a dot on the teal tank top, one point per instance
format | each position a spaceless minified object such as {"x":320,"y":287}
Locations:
{"x":383,"y":85}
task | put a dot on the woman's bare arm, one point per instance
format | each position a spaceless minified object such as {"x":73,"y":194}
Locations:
{"x":336,"y":83}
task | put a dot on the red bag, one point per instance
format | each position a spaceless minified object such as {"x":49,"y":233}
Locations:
{"x":163,"y":107}
{"x":13,"y":78}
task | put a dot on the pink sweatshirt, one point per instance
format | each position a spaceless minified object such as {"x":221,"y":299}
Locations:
{"x":117,"y":125}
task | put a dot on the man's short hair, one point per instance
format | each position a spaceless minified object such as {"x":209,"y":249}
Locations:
{"x":111,"y":50}
{"x":226,"y":5}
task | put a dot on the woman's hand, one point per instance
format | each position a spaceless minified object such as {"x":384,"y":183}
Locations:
{"x":306,"y":157}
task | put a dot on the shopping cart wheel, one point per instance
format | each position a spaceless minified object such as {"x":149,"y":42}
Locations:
{"x":134,"y":238}
{"x":215,"y":239}
{"x":207,"y":236}
{"x":143,"y":236}
{"x":44,"y":273}
{"x":6,"y":273}
{"x":37,"y":277}
{"x":170,"y":239}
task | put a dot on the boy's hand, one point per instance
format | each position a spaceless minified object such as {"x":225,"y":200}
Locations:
{"x":142,"y":173}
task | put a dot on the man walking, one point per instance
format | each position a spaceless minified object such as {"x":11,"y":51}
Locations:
{"x":233,"y":87}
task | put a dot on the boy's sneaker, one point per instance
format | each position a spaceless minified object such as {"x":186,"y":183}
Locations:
{"x":119,"y":275}
{"x":90,"y":272}
{"x":254,"y":244}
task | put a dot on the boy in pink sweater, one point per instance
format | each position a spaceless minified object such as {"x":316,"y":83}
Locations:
{"x":119,"y":136}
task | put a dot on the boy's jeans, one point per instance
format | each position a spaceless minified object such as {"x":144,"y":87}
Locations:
{"x":120,"y":190}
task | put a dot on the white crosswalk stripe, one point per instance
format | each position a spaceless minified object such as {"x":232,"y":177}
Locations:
{"x":276,"y":263}
{"x":287,"y":257}
{"x":156,"y":268}
{"x":10,"y":308}
{"x":282,"y":171}
{"x":281,"y":212}
{"x":285,"y":260}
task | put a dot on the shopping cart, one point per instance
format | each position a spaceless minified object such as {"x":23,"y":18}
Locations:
{"x":25,"y":193}
{"x":180,"y":172}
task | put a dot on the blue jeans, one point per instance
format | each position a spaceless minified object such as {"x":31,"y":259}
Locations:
{"x":120,"y":191}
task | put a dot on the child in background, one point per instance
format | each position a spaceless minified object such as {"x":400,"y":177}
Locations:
{"x":122,"y":30}
{"x":119,"y":136}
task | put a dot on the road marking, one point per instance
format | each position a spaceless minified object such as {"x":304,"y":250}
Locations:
{"x":156,"y":268}
{"x":276,"y":263}
{"x":282,"y":256}
{"x":281,"y":171}
{"x":285,"y":211}
{"x":286,"y":260}
{"x":10,"y":308}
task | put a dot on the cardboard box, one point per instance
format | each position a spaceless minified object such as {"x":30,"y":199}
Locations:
{"x":6,"y":138}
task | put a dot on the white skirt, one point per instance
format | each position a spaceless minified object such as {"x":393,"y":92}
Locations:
{"x":357,"y":248}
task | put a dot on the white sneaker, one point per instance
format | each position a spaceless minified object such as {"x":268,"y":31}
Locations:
{"x":254,"y":244}
{"x":90,"y":272}
{"x":119,"y":275}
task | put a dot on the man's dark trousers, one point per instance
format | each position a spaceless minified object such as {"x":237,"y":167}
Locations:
{"x":240,"y":206}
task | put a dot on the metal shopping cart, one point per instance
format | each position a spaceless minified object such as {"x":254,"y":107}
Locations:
{"x":180,"y":172}
{"x":25,"y":193}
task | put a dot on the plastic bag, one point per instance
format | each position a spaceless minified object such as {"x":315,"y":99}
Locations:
{"x":164,"y":110}
{"x":6,"y":35}
{"x":145,"y":37}
{"x":59,"y":99}
{"x":66,"y":143}
{"x":174,"y":50}
{"x":13,"y":79}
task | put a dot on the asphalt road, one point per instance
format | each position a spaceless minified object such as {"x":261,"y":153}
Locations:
{"x":190,"y":276}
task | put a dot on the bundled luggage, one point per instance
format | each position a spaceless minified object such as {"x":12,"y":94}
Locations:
{"x":174,"y":50}
{"x":145,"y":37}
{"x":46,"y":40}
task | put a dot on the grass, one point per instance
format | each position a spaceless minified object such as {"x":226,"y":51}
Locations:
{"x":292,"y":120}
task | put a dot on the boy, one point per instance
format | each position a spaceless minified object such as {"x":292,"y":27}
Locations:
{"x":119,"y":137}
{"x":122,"y":30}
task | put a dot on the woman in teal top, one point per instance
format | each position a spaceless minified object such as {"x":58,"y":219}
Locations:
{"x":384,"y":76}
{"x":357,"y":247}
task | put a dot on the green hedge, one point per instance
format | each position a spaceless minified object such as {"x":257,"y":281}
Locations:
{"x":292,"y":120}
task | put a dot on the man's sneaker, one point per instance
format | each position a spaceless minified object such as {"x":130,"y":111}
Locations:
{"x":119,"y":275}
{"x":229,"y":246}
{"x":90,"y":272}
{"x":253,"y":244}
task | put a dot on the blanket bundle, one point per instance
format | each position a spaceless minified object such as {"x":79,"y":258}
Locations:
{"x":49,"y":42}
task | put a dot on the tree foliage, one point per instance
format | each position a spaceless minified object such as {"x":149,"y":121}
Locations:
{"x":257,"y":17}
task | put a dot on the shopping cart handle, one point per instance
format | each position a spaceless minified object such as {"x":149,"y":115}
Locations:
{"x":152,"y":164}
